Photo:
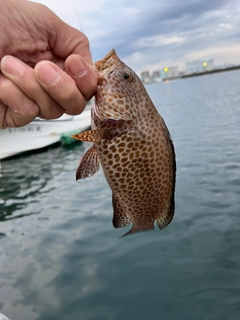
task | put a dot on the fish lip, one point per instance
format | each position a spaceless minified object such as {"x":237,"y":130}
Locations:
{"x":109,"y":97}
{"x":101,"y":80}
{"x":101,"y":75}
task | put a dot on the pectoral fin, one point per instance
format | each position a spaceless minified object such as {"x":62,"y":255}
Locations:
{"x":89,"y":164}
{"x":91,"y":135}
{"x":98,"y":135}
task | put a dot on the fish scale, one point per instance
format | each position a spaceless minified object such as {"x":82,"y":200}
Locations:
{"x":132,"y":143}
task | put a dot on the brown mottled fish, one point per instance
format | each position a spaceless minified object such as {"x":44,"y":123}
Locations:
{"x":134,"y":147}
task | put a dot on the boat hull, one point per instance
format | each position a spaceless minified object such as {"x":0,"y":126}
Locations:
{"x":40,"y":133}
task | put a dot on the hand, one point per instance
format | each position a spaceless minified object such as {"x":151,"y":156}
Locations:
{"x":48,"y":67}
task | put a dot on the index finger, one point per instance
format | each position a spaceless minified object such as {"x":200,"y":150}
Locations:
{"x":62,"y":89}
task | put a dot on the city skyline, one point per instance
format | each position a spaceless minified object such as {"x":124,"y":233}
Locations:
{"x":192,"y":68}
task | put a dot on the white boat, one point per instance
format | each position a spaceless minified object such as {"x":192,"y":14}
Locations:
{"x":3,"y":317}
{"x":41,"y":133}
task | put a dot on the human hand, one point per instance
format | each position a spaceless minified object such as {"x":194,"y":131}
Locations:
{"x":53,"y":73}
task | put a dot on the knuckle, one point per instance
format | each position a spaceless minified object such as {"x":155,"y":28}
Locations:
{"x":53,"y":111}
{"x":85,"y":41}
{"x":82,"y":38}
{"x":6,"y":90}
{"x":75,"y":102}
{"x":4,"y":84}
{"x":57,"y":112}
{"x":3,"y":126}
{"x":30,"y":108}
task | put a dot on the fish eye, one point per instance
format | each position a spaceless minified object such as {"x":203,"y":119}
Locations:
{"x":128,"y":76}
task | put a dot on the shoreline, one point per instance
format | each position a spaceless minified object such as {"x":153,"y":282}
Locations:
{"x":195,"y":74}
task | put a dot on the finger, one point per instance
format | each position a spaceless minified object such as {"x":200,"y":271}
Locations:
{"x":23,"y":77}
{"x":16,"y":109}
{"x":83,"y":74}
{"x":60,"y":86}
{"x":68,"y":41}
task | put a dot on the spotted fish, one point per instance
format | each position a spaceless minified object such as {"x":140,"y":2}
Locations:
{"x":134,"y":147}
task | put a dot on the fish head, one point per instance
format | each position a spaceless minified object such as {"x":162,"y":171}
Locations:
{"x":116,"y":97}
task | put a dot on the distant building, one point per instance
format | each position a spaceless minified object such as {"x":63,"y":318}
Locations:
{"x":156,"y":76}
{"x":159,"y":75}
{"x":199,"y":66}
{"x":145,"y":76}
{"x":169,"y":72}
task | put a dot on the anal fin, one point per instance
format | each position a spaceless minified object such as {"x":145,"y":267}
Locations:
{"x":89,"y":164}
{"x":164,"y":220}
{"x":120,"y":219}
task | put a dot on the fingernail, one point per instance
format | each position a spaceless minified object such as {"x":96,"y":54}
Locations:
{"x":47,"y":74}
{"x":12,"y":66}
{"x":77,"y":68}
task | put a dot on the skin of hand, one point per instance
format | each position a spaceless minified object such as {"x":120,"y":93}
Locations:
{"x":46,"y":66}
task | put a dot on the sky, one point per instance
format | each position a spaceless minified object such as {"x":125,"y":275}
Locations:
{"x":152,"y":34}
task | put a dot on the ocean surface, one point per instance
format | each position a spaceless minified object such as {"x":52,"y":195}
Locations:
{"x":61,"y":258}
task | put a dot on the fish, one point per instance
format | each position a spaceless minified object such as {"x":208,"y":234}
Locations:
{"x":134,"y":147}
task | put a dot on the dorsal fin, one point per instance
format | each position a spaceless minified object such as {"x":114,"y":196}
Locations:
{"x":89,"y":164}
{"x":164,"y":220}
{"x":120,"y":219}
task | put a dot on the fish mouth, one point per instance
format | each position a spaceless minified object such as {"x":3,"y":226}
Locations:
{"x":109,"y":97}
{"x":112,"y":96}
{"x":118,"y":95}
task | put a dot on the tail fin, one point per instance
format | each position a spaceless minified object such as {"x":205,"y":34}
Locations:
{"x":136,"y":229}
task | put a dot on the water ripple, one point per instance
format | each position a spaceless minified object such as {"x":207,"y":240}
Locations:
{"x":61,"y":258}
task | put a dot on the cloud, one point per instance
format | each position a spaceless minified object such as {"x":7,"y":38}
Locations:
{"x":159,"y":40}
{"x":152,"y":33}
{"x":226,"y":26}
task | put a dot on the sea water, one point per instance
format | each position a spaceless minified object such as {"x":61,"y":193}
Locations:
{"x":61,"y":258}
